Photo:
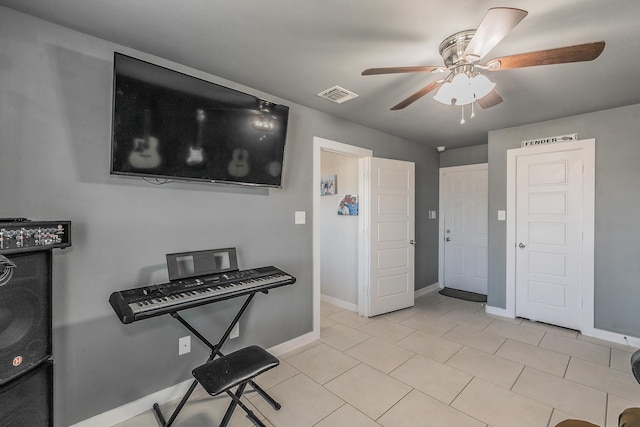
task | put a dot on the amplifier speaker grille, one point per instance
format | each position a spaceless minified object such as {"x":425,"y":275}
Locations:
{"x":25,"y":314}
{"x":26,"y":401}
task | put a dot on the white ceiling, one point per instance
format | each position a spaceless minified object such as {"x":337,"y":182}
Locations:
{"x":296,"y":49}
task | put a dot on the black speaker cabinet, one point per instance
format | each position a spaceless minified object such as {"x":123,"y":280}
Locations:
{"x":26,"y":401}
{"x":25,"y":315}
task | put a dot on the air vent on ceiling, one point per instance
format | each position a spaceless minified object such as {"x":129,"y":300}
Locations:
{"x":337,"y":94}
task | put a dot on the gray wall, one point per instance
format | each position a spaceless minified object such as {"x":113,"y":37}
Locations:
{"x":617,"y":203}
{"x":464,"y":156}
{"x":55,"y":118}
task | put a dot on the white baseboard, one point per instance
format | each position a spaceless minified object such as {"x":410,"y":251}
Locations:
{"x":339,"y":303}
{"x":613,"y":337}
{"x":354,"y":307}
{"x":293,"y":344}
{"x":131,"y":409}
{"x":427,"y":289}
{"x":497,"y":311}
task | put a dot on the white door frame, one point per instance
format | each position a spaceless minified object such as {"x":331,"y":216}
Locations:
{"x":319,"y":145}
{"x":441,"y":202}
{"x":588,"y":148}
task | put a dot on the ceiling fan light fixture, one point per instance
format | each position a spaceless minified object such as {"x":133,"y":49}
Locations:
{"x":464,"y":88}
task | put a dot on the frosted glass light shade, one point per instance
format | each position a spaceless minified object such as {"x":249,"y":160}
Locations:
{"x":481,"y":86}
{"x":463,"y":90}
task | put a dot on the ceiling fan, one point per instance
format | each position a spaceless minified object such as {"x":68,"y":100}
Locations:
{"x":463,"y":51}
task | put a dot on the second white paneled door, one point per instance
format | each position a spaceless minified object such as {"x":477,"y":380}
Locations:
{"x":549,"y":237}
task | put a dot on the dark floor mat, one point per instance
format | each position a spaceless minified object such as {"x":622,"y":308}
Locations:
{"x":467,"y":296}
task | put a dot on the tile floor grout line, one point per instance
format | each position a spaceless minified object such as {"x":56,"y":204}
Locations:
{"x":517,"y":378}
{"x":331,"y":413}
{"x":458,"y":395}
{"x":398,"y":401}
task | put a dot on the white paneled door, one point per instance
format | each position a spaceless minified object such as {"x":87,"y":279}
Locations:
{"x":392,"y":233}
{"x":465,"y":229}
{"x":549,"y":226}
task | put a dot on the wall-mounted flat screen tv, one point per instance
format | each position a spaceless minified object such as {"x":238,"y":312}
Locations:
{"x":170,"y":125}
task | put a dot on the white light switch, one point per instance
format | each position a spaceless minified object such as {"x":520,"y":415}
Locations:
{"x":502,"y":215}
{"x":300,"y":217}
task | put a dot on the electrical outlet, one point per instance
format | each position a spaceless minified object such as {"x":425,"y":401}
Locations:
{"x":235,"y":332}
{"x":184,"y":345}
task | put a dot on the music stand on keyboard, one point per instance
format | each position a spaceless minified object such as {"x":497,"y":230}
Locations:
{"x":192,"y":264}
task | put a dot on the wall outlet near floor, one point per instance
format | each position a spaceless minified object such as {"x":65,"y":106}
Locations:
{"x":184,"y":345}
{"x":235,"y":332}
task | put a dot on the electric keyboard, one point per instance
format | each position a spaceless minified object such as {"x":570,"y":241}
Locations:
{"x":141,"y":303}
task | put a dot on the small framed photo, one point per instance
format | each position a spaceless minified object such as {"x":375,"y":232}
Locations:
{"x":328,"y":185}
{"x":348,"y":205}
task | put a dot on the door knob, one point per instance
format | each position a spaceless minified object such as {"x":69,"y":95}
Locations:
{"x":521,"y":245}
{"x":412,"y":242}
{"x":448,"y":239}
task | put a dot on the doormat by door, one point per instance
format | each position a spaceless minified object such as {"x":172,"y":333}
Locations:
{"x":465,"y":295}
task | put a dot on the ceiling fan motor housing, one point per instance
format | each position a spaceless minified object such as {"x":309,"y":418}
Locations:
{"x":452,"y":48}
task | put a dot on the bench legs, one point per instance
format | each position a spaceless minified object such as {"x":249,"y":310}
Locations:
{"x":221,"y":375}
{"x":265,"y":396}
{"x":236,"y":401}
{"x":183,"y":401}
{"x":232,"y":406}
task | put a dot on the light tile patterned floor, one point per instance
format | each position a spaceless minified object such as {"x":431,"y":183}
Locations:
{"x":444,"y":362}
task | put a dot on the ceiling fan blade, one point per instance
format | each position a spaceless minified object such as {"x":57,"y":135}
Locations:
{"x":488,"y":101}
{"x":419,"y":94}
{"x":562,"y":55}
{"x":394,"y":70}
{"x":497,"y":23}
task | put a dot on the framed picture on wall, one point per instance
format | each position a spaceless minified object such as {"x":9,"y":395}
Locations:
{"x":348,"y":205}
{"x":328,"y":185}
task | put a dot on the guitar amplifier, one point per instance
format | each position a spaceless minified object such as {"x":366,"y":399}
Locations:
{"x":22,"y":235}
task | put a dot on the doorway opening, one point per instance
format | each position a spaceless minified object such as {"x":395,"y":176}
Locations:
{"x":320,"y":146}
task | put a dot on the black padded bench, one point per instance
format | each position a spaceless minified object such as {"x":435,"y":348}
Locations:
{"x":236,"y":369}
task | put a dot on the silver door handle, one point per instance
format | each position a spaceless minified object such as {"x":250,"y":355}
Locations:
{"x":412,"y":242}
{"x":522,"y":245}
{"x":448,"y":239}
